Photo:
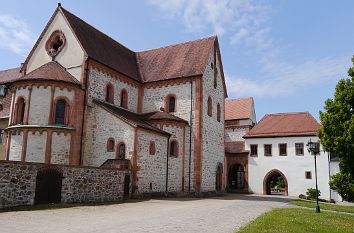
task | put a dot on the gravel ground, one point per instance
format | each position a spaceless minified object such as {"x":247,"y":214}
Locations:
{"x":222,"y":214}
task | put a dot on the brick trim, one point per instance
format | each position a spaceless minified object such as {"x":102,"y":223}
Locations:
{"x":167,"y":102}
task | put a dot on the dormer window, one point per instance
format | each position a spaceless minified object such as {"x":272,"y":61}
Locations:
{"x":55,"y":43}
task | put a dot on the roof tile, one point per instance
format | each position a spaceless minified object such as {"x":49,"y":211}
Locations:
{"x":285,"y":124}
{"x":50,"y":71}
{"x":10,"y":75}
{"x":237,"y":109}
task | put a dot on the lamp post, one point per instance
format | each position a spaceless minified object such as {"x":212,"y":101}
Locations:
{"x":314,"y":149}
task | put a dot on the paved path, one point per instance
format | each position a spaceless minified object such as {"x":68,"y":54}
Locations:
{"x":223,"y":214}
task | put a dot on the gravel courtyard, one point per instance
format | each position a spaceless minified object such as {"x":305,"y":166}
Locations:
{"x":222,"y":214}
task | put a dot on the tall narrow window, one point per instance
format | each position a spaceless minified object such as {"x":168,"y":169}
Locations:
{"x":218,"y":113}
{"x":60,"y":112}
{"x":124,"y":99}
{"x":20,"y":110}
{"x":210,"y":107}
{"x":171,"y":103}
{"x":110,"y":145}
{"x":110,"y":93}
{"x":152,"y":148}
{"x":173,"y":149}
{"x":121,"y":151}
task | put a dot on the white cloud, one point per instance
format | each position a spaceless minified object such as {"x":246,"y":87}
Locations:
{"x":15,"y":35}
{"x":284,"y":79}
{"x":240,"y":20}
{"x":246,"y":23}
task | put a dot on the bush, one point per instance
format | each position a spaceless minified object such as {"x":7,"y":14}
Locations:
{"x":311,"y":193}
{"x":343,"y":184}
{"x":302,"y":196}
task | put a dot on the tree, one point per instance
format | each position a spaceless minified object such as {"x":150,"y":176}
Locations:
{"x":344,"y":185}
{"x":337,"y":130}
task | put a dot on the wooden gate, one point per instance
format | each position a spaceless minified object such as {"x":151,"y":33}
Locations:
{"x":126,"y":186}
{"x":48,"y":186}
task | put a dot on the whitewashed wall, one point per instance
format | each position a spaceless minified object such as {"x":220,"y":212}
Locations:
{"x":60,"y":148}
{"x":292,"y":166}
{"x":36,"y":144}
{"x":70,"y":56}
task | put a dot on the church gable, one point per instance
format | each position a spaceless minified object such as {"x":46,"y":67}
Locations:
{"x":57,"y":42}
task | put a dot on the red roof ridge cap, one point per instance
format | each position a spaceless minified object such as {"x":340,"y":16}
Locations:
{"x":178,"y":44}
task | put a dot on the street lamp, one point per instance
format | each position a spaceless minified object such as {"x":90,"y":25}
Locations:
{"x":314,"y":149}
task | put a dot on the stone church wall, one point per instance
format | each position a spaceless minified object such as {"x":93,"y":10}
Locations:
{"x":16,"y":147}
{"x":102,"y":125}
{"x":60,"y":148}
{"x":152,"y":166}
{"x":40,"y":102}
{"x":97,"y":89}
{"x":79,"y":184}
{"x":213,"y":131}
{"x":36,"y":144}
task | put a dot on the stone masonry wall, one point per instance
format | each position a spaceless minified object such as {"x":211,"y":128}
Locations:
{"x":213,"y":131}
{"x":235,"y":134}
{"x":102,"y":125}
{"x":154,"y":99}
{"x":97,"y":89}
{"x":79,"y":184}
{"x":152,"y":167}
{"x":175,"y":164}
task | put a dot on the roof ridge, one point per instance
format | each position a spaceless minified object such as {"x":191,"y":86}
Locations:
{"x":287,"y":113}
{"x":244,"y":98}
{"x":109,"y":37}
{"x":178,"y":44}
{"x":19,"y":67}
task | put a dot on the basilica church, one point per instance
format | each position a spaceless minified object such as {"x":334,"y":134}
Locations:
{"x":84,"y":104}
{"x":81,"y":98}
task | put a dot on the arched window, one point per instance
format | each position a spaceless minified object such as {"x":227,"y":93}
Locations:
{"x":124,"y":99}
{"x":152,"y":148}
{"x":60,"y":111}
{"x":20,"y":111}
{"x":110,"y":93}
{"x":110,"y":145}
{"x":121,"y":151}
{"x":174,"y":148}
{"x":218,"y":113}
{"x":210,"y":107}
{"x":170,"y":103}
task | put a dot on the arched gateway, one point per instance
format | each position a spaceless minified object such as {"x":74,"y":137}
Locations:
{"x":273,"y":182}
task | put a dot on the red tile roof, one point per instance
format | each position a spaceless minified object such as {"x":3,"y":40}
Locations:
{"x":237,"y":109}
{"x":285,"y":124}
{"x":6,"y":104}
{"x":162,"y":116}
{"x":10,"y":75}
{"x":103,"y":48}
{"x":235,"y":147}
{"x":131,"y":118}
{"x":175,"y":61}
{"x":50,"y":71}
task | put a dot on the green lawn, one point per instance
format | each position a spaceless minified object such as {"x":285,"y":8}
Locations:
{"x":348,"y":209}
{"x":299,"y":221}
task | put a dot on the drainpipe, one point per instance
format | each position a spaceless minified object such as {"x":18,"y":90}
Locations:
{"x":190,"y":139}
{"x":168,"y":147}
{"x":329,"y":173}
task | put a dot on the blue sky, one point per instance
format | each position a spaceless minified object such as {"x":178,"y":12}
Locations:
{"x":288,"y":55}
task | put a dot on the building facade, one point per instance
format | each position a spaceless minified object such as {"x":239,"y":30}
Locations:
{"x":84,"y":99}
{"x":277,"y":147}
